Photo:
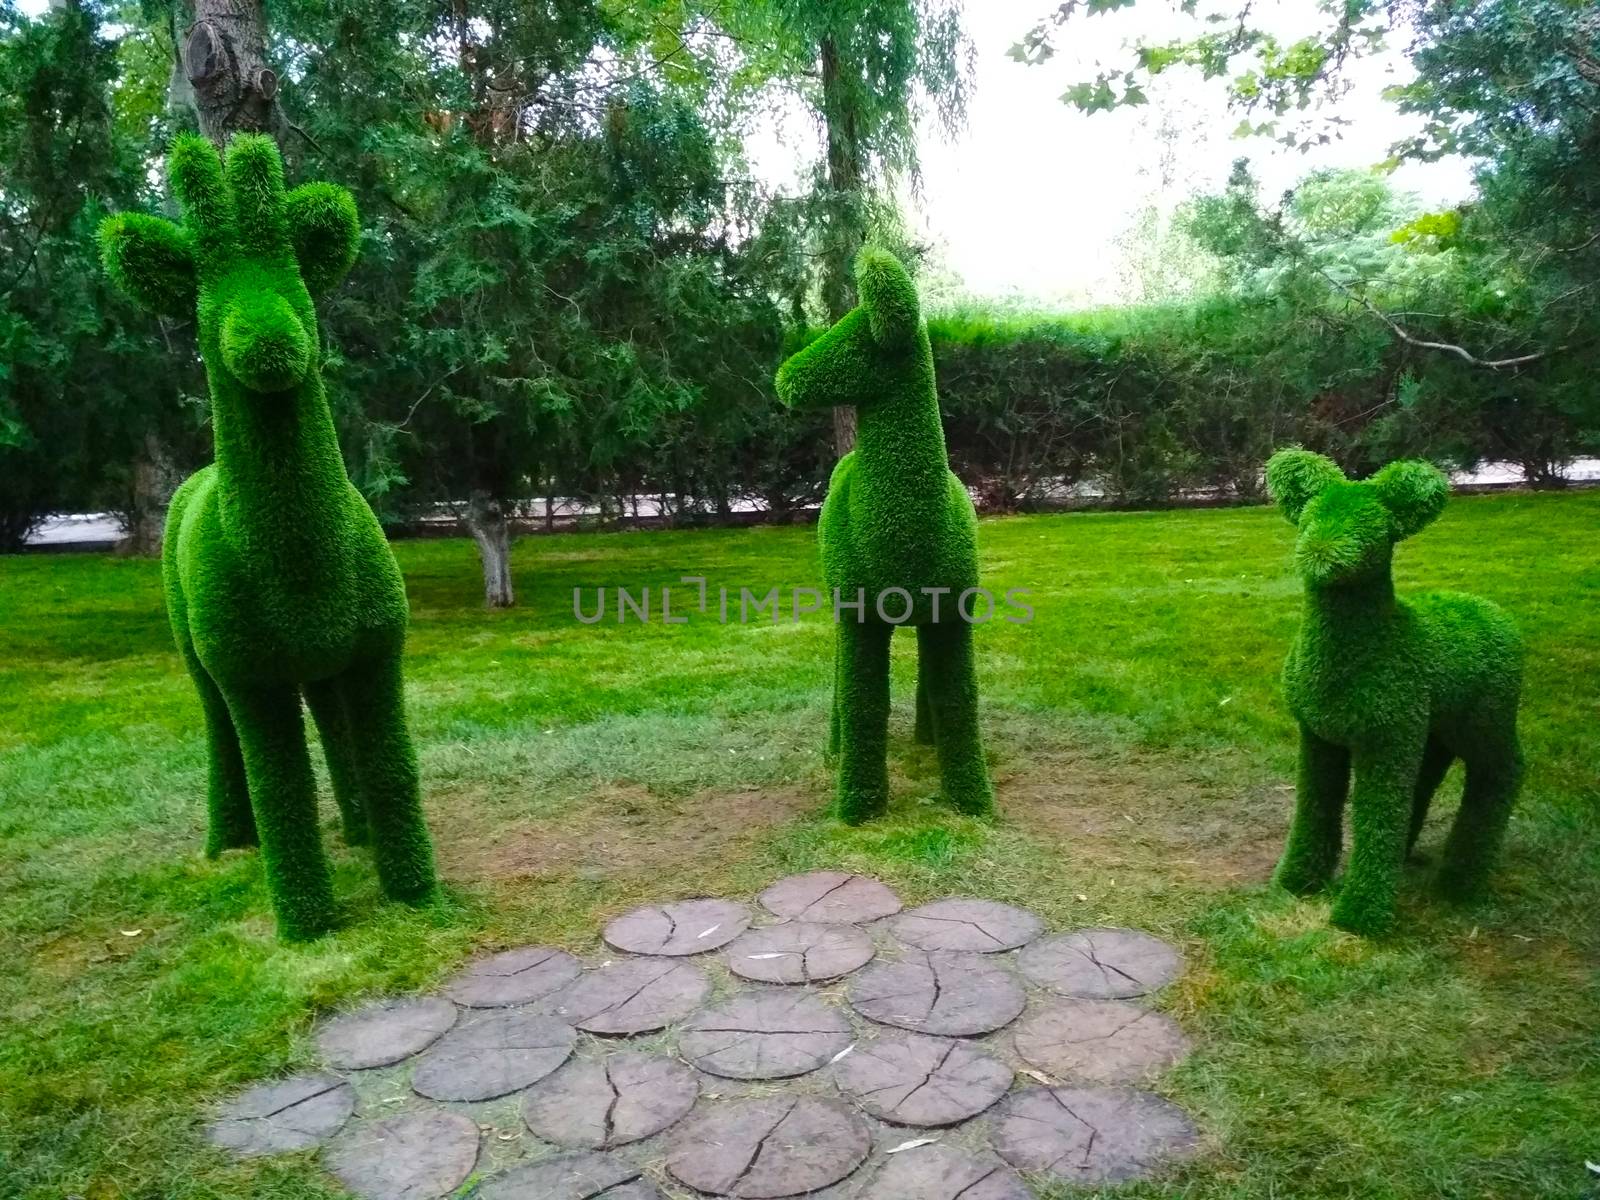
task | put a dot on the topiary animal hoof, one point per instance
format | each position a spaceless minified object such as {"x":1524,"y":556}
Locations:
{"x":856,"y":807}
{"x":1459,"y":888}
{"x":1300,"y":881}
{"x":1364,"y":920}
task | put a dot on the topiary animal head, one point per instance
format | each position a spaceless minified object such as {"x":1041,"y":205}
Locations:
{"x":244,"y":261}
{"x":1348,"y":530}
{"x":856,"y":360}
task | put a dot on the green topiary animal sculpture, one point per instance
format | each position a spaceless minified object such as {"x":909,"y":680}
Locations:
{"x":1396,"y":690}
{"x":896,"y":517}
{"x":278,"y":578}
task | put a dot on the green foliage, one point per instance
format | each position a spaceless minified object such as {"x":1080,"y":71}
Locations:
{"x":897,"y":532}
{"x":278,"y":578}
{"x":1393,"y":691}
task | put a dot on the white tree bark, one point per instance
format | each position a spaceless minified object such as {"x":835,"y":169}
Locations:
{"x":486,"y":521}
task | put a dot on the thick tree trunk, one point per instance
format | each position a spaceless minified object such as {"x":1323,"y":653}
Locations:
{"x":151,"y":489}
{"x":224,"y":59}
{"x":486,"y":520}
{"x":846,"y":209}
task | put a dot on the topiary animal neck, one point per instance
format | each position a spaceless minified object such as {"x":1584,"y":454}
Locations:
{"x":1348,"y":609}
{"x":901,"y":435}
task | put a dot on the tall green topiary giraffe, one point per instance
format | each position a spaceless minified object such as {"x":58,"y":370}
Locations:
{"x":1395,"y":690}
{"x":896,"y":517}
{"x":278,"y":578}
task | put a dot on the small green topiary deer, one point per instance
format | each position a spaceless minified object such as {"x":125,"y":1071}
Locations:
{"x":896,"y":517}
{"x":278,"y":578}
{"x":1395,"y":689}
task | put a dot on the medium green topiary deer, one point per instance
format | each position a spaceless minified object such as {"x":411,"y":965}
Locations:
{"x":278,"y":577}
{"x":896,"y":517}
{"x":1395,"y":689}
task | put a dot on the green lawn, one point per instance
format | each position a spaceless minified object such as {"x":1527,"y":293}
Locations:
{"x":1142,"y":760}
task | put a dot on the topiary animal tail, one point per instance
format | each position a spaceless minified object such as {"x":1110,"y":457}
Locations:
{"x":1390,"y":690}
{"x":896,"y":520}
{"x":279,"y":581}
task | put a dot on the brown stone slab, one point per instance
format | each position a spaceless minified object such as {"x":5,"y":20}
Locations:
{"x":972,"y":926}
{"x":912,"y":1079}
{"x":830,"y":897}
{"x":632,"y":995}
{"x":768,"y":1034}
{"x":770,"y":1147}
{"x":382,"y":1034}
{"x":945,"y":1173}
{"x":414,"y":1156}
{"x":598,"y":1104}
{"x":513,"y":977}
{"x":675,"y":930}
{"x":1101,"y":964}
{"x":493,"y":1054}
{"x":799,"y":952}
{"x":952,"y":995}
{"x":1090,"y":1136}
{"x":290,"y":1114}
{"x":571,"y":1177}
{"x":1100,"y":1041}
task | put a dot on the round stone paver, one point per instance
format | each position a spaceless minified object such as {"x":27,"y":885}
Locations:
{"x":1102,"y":1041}
{"x":953,"y":995}
{"x":492,"y":1055}
{"x":687,"y":927}
{"x":518,"y":976}
{"x":600,"y":1104}
{"x":765,"y":1035}
{"x":978,"y":926}
{"x":912,"y":1079}
{"x":291,"y":1114}
{"x":635,"y":995}
{"x":944,"y":1173}
{"x":384,"y":1033}
{"x":799,"y":952}
{"x":1101,"y":964}
{"x":770,"y":1147}
{"x":414,"y":1156}
{"x":571,"y":1177}
{"x":1091,"y":1136}
{"x":830,"y":898}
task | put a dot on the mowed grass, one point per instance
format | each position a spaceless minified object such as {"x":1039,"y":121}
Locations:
{"x":1142,"y":757}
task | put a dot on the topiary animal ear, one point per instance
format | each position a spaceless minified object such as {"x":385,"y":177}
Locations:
{"x":151,"y":260}
{"x":1295,"y":477}
{"x":325,"y":232}
{"x":1414,"y":492}
{"x":889,"y":297}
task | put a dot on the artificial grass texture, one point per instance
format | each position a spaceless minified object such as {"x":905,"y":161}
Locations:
{"x":279,"y":582}
{"x":1392,"y":691}
{"x":1143,"y":756}
{"x":899,"y":542}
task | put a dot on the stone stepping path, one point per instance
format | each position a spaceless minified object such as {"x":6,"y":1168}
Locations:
{"x":815,"y":1045}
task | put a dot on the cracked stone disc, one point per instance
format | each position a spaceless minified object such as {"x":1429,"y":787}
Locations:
{"x":288,"y":1115}
{"x":514,"y":977}
{"x":910,"y":1079}
{"x":414,"y":1156}
{"x":953,"y":995}
{"x":799,"y":952}
{"x":1102,"y":1041}
{"x":571,"y":1177}
{"x":830,"y":897}
{"x":384,"y":1033}
{"x":1101,"y":964}
{"x":598,"y":1104}
{"x":633,"y":995}
{"x":769,"y":1147}
{"x":492,"y":1055}
{"x":765,"y":1035}
{"x":978,"y":926}
{"x":687,"y":927}
{"x":1091,"y":1135}
{"x":944,"y":1173}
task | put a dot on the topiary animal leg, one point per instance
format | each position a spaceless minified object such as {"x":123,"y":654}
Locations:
{"x":1493,"y":777}
{"x":1316,"y":831}
{"x":953,"y":695}
{"x":327,"y":704}
{"x":863,"y":703}
{"x":386,"y":765}
{"x":925,"y":731}
{"x":833,"y":706}
{"x":272,"y":735}
{"x":1436,"y":760}
{"x":1380,"y":812}
{"x":230,"y":823}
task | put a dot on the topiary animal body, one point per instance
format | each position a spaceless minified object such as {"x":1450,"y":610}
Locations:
{"x":278,"y":578}
{"x":896,"y":517}
{"x":1395,"y":690}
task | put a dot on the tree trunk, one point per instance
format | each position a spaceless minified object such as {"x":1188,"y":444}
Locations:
{"x":151,"y":489}
{"x":486,"y":520}
{"x":846,"y":210}
{"x":225,"y":61}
